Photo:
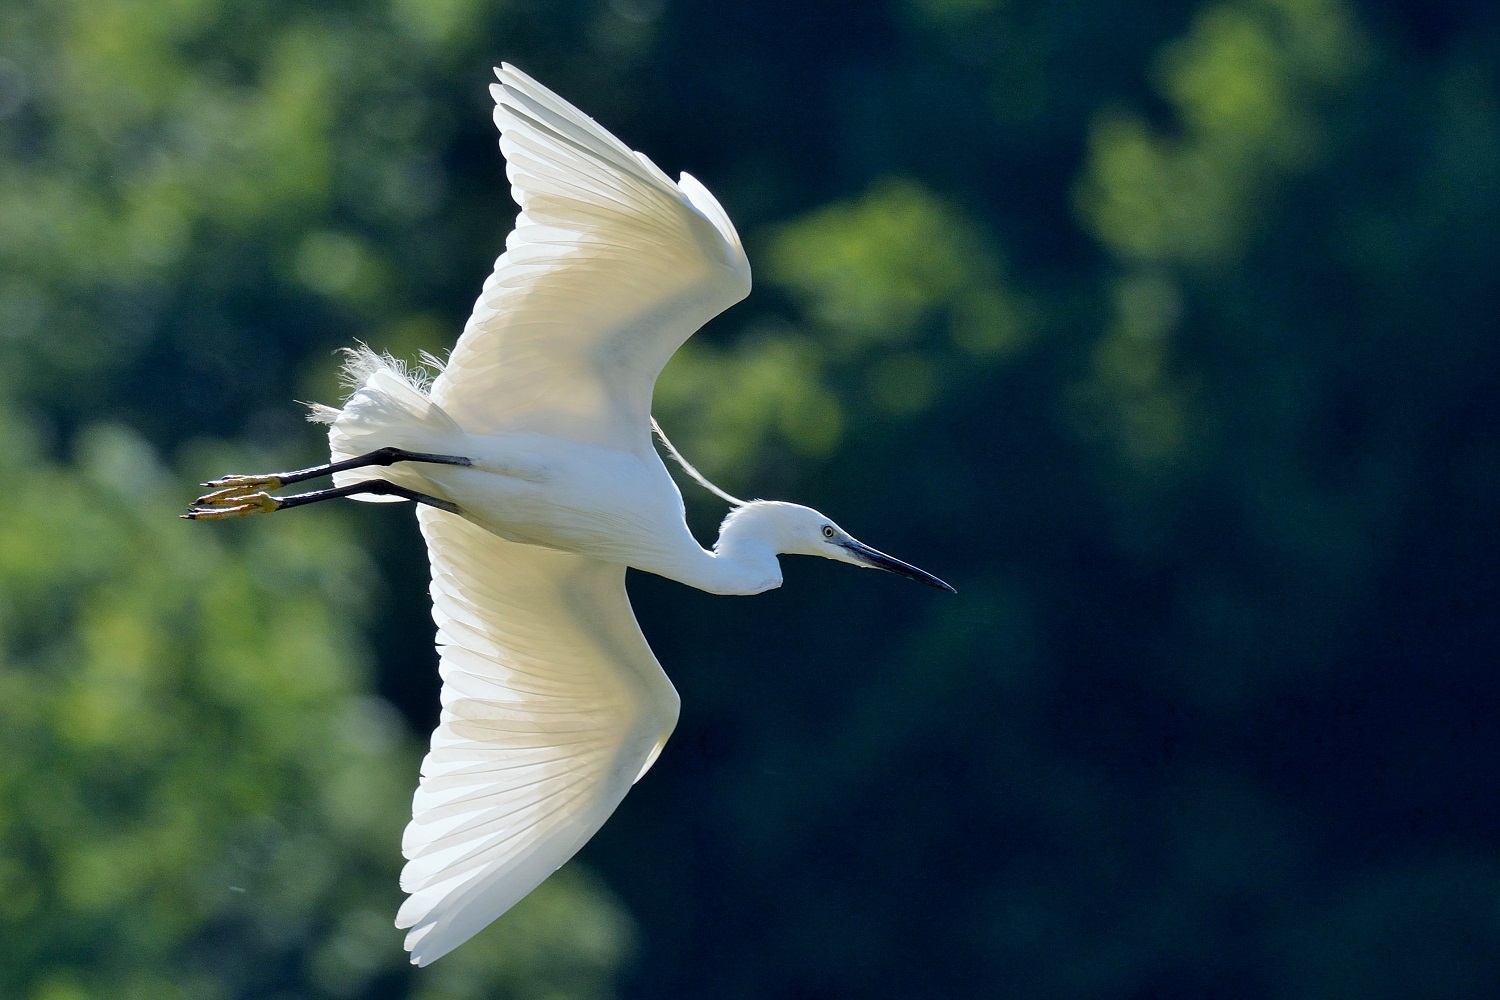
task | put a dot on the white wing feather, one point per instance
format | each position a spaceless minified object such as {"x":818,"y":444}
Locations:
{"x":610,"y":268}
{"x":553,"y":705}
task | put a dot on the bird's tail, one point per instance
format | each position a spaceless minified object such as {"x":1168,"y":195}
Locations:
{"x":388,"y":406}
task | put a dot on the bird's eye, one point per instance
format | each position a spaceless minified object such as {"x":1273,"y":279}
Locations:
{"x":827,"y":531}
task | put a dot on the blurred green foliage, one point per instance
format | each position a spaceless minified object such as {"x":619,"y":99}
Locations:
{"x":1164,"y":332}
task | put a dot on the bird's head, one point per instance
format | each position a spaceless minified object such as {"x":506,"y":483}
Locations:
{"x":792,"y":529}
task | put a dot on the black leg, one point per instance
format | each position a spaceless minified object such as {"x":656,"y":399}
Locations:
{"x":380,"y":456}
{"x":242,"y":503}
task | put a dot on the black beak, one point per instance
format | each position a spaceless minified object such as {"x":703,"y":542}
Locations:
{"x":875,"y":559}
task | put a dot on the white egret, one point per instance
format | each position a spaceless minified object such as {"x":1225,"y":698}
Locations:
{"x":530,"y":456}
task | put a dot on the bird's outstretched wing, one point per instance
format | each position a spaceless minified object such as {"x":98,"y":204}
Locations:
{"x":553,"y":705}
{"x":610,"y":268}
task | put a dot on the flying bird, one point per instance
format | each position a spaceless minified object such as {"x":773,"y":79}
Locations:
{"x":531,"y":461}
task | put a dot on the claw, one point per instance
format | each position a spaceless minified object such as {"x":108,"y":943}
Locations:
{"x":237,"y":482}
{"x":249,"y":503}
{"x":224,"y":498}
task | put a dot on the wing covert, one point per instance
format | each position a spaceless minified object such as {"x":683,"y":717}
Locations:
{"x":610,"y":268}
{"x":553,"y":705}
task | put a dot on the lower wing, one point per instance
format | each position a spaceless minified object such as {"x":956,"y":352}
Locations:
{"x":553,"y":705}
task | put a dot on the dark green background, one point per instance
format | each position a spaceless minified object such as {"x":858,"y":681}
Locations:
{"x":1165,"y":332}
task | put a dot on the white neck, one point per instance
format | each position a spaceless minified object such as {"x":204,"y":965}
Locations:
{"x":742,"y":562}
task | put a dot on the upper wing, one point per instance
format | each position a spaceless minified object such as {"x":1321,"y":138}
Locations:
{"x":553,"y":705}
{"x":610,"y":268}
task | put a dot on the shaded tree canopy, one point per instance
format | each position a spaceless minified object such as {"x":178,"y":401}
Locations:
{"x":1164,"y":333}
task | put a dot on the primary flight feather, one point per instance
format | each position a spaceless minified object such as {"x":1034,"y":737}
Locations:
{"x":531,"y":458}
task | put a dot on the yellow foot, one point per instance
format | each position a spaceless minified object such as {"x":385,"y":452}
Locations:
{"x":244,"y":483}
{"x":232,"y":503}
{"x":224,"y":497}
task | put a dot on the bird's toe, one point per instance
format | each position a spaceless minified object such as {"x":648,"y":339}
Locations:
{"x":232,"y":503}
{"x":244,"y":483}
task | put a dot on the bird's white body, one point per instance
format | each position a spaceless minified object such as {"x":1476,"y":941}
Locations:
{"x":604,"y":503}
{"x":553,"y":704}
{"x":615,"y":504}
